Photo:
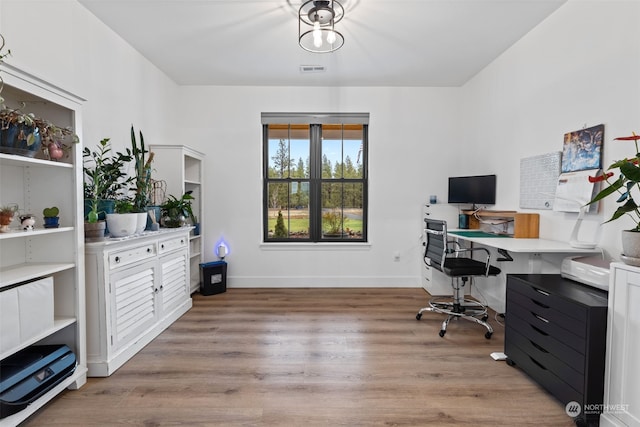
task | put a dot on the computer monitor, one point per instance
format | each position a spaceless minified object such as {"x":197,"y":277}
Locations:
{"x":476,"y":190}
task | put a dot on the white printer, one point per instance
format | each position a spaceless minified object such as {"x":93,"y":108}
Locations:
{"x":588,"y":270}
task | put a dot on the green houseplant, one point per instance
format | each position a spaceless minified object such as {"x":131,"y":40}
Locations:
{"x":24,"y":134}
{"x":143,"y":185}
{"x":624,"y":186}
{"x":175,"y":212}
{"x":104,"y":179}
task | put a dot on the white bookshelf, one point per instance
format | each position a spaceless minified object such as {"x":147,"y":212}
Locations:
{"x":33,"y":184}
{"x":182,"y":169}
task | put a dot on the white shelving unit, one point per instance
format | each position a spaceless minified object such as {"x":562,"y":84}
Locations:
{"x":182,"y":168}
{"x":58,"y":254}
{"x":621,"y":387}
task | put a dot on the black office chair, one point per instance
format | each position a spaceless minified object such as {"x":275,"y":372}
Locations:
{"x":445,"y":256}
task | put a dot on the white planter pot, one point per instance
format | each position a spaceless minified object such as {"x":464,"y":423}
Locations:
{"x":631,"y":244}
{"x":122,"y":225}
{"x":142,"y":222}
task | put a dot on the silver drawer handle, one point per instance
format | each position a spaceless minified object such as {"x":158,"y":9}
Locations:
{"x":540,"y":318}
{"x":540,"y":291}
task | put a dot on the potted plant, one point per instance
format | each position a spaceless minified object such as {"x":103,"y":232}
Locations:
{"x":623,"y":187}
{"x":24,"y":134}
{"x":104,"y":179}
{"x":7,"y":213}
{"x":123,"y":222}
{"x":143,"y":185}
{"x":51,"y":219}
{"x":176,"y":211}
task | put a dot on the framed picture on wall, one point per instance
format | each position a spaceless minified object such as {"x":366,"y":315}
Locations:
{"x":582,"y":149}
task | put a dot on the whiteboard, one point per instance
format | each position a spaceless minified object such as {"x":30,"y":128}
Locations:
{"x":539,"y":179}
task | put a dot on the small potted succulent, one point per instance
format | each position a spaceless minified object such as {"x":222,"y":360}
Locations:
{"x":51,"y":218}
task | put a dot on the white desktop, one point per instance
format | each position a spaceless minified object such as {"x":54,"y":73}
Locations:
{"x":514,"y":255}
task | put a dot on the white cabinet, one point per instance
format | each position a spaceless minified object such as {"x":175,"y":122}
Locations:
{"x":48,"y":307}
{"x":136,"y":288}
{"x":621,"y":387}
{"x":182,"y":169}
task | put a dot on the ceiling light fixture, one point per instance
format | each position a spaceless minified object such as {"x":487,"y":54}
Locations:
{"x":318,"y":34}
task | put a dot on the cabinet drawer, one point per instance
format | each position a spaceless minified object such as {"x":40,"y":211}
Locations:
{"x":547,"y":338}
{"x":547,"y":300}
{"x":530,"y":318}
{"x":545,"y":314}
{"x":565,"y":371}
{"x":169,"y":245}
{"x":131,"y":255}
{"x":536,"y":370}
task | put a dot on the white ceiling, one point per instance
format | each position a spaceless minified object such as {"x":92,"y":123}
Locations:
{"x":387,"y":42}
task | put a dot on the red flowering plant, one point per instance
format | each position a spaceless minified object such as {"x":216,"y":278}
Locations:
{"x":628,"y":180}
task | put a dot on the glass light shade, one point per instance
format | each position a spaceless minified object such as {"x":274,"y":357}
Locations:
{"x":321,"y":17}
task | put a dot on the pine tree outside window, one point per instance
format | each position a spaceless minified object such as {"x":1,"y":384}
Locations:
{"x":315,"y":177}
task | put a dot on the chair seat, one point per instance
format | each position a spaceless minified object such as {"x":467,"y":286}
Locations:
{"x":459,"y":267}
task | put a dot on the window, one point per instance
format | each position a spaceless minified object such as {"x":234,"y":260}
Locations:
{"x":315,"y":177}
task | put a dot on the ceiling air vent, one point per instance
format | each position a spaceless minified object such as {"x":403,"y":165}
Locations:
{"x":312,"y":69}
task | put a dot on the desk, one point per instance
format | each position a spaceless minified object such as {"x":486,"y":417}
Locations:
{"x":513,"y":255}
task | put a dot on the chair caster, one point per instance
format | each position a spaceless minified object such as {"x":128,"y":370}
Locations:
{"x":442,"y":332}
{"x":488,"y":335}
{"x":485,"y":318}
{"x":510,"y":362}
{"x":418,"y":316}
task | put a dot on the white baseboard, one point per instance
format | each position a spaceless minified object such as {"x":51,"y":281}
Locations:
{"x":323,"y":282}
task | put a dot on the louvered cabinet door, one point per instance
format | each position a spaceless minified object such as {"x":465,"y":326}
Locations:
{"x":174,"y":287}
{"x":133,"y":308}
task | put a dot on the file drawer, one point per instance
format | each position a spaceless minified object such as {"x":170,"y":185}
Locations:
{"x":131,"y":255}
{"x":555,"y":331}
{"x":169,"y":245}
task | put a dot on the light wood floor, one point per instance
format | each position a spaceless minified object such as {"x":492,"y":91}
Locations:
{"x":311,"y":357}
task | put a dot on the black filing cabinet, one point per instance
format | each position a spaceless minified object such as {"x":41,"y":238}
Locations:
{"x":556,"y":333}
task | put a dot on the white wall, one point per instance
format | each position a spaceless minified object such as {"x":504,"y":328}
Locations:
{"x":62,"y":43}
{"x":409,"y":156}
{"x":580,"y":66}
